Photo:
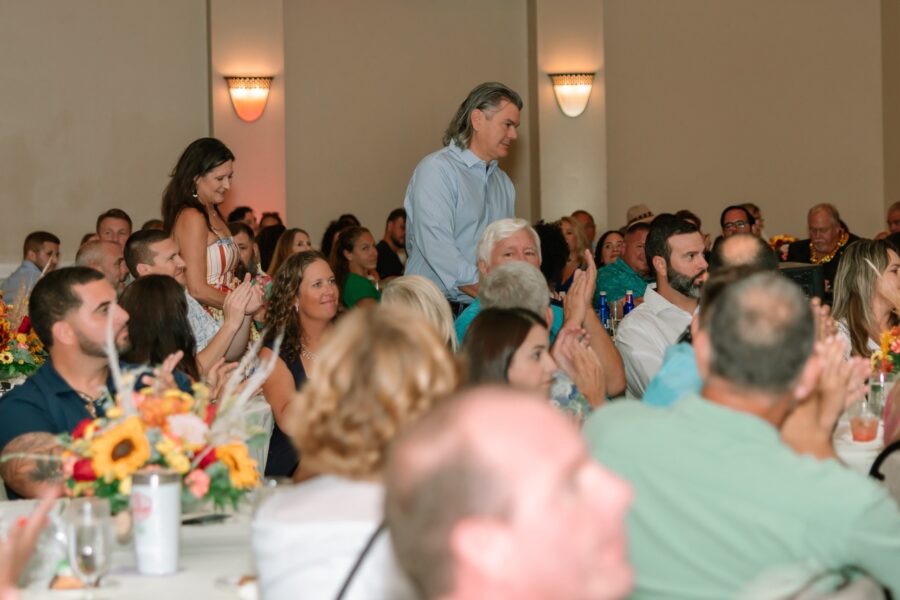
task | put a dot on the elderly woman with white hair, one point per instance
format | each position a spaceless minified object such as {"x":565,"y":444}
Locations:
{"x":509,"y":240}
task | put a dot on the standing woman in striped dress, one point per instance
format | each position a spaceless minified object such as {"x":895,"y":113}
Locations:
{"x":192,"y":217}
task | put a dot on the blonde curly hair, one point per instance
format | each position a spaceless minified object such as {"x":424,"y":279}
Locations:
{"x":380,"y":369}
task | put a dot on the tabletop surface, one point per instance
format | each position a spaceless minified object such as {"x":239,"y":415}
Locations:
{"x":212,"y":560}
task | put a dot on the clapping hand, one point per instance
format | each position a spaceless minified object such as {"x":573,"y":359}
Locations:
{"x":825,"y":325}
{"x":578,"y":360}
{"x":841,"y":382}
{"x":238,"y":301}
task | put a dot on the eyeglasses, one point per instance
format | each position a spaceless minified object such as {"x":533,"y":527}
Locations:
{"x":734,"y":225}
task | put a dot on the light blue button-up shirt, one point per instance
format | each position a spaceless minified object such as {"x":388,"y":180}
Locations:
{"x":20,"y":282}
{"x":452,"y":196}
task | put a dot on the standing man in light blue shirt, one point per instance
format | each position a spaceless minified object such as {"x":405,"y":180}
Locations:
{"x":40,"y":253}
{"x":459,"y":190}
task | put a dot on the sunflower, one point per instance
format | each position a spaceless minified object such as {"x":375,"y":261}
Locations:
{"x":6,"y":358}
{"x":241,"y":468}
{"x":120,"y":450}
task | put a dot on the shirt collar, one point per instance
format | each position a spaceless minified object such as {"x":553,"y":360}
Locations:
{"x":470,"y":159}
{"x":30,"y":266}
{"x":59,"y":386}
{"x":727,"y":422}
{"x":656,"y":304}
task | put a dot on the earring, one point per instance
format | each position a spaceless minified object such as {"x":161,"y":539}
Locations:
{"x":195,"y":193}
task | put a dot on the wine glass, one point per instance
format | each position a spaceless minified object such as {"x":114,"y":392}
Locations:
{"x":89,"y":535}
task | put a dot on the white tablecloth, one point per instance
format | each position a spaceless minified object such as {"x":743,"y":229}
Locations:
{"x":212,"y":559}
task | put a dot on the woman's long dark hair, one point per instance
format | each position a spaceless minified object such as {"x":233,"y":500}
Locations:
{"x":345,"y":242}
{"x":598,"y":255}
{"x":198,"y":159}
{"x":282,"y":314}
{"x":158,"y":323}
{"x":266,"y":240}
{"x":554,"y":251}
{"x":492,"y":339}
{"x":342,"y":222}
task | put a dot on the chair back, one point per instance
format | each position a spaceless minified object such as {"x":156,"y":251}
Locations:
{"x":886,"y":469}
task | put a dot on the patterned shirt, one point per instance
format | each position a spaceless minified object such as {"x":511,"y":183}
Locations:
{"x":203,"y":325}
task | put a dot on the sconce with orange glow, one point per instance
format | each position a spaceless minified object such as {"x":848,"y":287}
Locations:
{"x":572,"y":91}
{"x":249,"y":96}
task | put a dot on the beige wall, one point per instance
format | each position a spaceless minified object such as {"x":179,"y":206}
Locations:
{"x":371,"y":87}
{"x":572,"y":150}
{"x":890,"y":41}
{"x":99,"y":99}
{"x":780,"y":103}
{"x":248,"y":39}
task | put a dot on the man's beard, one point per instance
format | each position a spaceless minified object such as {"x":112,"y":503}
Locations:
{"x":685,"y":285}
{"x":92,"y":348}
{"x":399,"y":242}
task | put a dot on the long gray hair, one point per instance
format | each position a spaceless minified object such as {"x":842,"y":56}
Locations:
{"x":486,"y":96}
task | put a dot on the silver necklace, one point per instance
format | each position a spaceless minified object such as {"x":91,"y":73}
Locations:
{"x":305,"y":353}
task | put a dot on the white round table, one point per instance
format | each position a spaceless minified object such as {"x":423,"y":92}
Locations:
{"x":212,"y":560}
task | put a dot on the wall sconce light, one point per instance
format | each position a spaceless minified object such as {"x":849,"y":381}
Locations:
{"x":249,"y":96}
{"x":572,"y":91}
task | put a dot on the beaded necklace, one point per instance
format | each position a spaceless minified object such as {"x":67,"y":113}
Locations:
{"x":814,"y":257}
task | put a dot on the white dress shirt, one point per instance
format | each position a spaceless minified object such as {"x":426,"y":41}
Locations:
{"x":643,"y":336}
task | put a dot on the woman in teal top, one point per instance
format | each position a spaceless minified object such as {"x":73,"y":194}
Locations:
{"x":353,"y":257}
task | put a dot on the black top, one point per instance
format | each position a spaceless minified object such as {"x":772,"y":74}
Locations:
{"x":283,"y":459}
{"x":799,"y":252}
{"x":389,"y":264}
{"x":45,"y":402}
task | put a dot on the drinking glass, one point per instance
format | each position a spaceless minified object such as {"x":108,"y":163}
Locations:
{"x":89,"y":534}
{"x":863,"y":421}
{"x":880,"y":385}
{"x":614,"y":318}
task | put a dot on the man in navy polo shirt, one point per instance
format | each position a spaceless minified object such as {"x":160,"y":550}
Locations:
{"x":69,"y":309}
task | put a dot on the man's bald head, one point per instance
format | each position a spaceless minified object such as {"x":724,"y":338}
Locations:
{"x":468,"y":491}
{"x":106,"y":257}
{"x":742,"y":249}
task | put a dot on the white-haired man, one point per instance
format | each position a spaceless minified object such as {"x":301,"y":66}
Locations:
{"x":457,"y":191}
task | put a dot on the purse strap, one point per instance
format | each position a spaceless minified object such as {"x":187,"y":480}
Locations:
{"x":359,"y":559}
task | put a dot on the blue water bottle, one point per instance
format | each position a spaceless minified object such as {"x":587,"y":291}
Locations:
{"x":603,"y":310}
{"x":629,"y":302}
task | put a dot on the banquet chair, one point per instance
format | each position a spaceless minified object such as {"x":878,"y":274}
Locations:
{"x":886,"y":469}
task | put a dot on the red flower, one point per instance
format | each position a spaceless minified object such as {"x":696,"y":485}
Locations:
{"x":25,"y":325}
{"x":210,"y":413}
{"x":79,"y":430}
{"x":83,"y":470}
{"x":209,"y":457}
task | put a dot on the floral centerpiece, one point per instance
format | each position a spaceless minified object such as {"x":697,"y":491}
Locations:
{"x":887,"y":358}
{"x":208,"y":443}
{"x":21,"y":351}
{"x":170,"y":429}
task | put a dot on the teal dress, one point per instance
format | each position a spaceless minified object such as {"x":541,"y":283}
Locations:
{"x":356,"y":288}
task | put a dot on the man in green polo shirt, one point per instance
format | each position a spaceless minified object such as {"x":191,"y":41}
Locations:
{"x":724,"y":506}
{"x":629,"y":271}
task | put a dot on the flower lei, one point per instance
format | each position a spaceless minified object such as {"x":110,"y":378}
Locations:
{"x":815,"y":259}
